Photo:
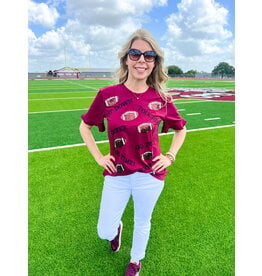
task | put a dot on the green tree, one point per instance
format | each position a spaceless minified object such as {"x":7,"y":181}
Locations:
{"x":174,"y":70}
{"x":190,"y":74}
{"x":224,"y":69}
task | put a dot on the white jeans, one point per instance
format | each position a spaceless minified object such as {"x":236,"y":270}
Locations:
{"x":145,"y":190}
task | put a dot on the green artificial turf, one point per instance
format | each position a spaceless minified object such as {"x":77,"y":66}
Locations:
{"x":60,"y":104}
{"x":49,"y":95}
{"x":62,"y":128}
{"x":192,"y":226}
{"x":225,"y":111}
{"x":200,"y":83}
{"x":71,"y":98}
{"x":47,"y":86}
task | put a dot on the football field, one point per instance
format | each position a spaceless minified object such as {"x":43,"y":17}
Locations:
{"x":193,"y":223}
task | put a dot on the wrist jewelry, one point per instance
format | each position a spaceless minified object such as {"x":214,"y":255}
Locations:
{"x":170,"y":155}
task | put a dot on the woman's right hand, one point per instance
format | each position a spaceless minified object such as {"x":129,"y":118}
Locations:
{"x":107,"y":162}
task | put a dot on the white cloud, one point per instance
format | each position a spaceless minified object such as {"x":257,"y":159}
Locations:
{"x":93,"y":33}
{"x":110,"y":13}
{"x":42,"y":14}
{"x":31,"y":36}
{"x":198,"y":32}
{"x":92,"y":46}
{"x":50,"y":40}
{"x":197,"y":36}
{"x":200,"y":19}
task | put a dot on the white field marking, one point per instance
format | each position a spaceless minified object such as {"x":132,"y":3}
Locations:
{"x":192,"y":114}
{"x":222,"y":101}
{"x":39,"y":112}
{"x":200,"y":101}
{"x":197,"y":129}
{"x":211,"y":119}
{"x":66,"y":146}
{"x":79,"y":84}
{"x":67,"y":98}
{"x":83,"y":85}
{"x":60,"y":93}
{"x":106,"y":141}
{"x":192,"y":102}
{"x":182,"y":109}
{"x":69,"y":110}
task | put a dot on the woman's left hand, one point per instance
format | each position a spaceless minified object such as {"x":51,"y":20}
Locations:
{"x":162,"y":162}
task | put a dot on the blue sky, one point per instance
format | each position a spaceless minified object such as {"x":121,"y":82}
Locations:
{"x":194,"y":34}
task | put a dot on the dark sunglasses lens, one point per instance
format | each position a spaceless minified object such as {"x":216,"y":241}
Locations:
{"x":134,"y":54}
{"x":150,"y":56}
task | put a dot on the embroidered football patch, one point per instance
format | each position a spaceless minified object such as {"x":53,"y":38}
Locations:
{"x":147,"y":155}
{"x":119,"y":142}
{"x":111,"y":101}
{"x":142,"y":128}
{"x":155,"y":105}
{"x":129,"y":115}
{"x":119,"y":168}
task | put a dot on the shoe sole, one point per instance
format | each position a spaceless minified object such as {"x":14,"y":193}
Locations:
{"x":139,"y":270}
{"x":120,"y":236}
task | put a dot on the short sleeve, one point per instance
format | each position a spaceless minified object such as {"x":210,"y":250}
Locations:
{"x":96,"y":113}
{"x":172,"y":119}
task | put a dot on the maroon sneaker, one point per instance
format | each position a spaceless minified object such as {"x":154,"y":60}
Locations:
{"x":116,"y":242}
{"x":133,"y":269}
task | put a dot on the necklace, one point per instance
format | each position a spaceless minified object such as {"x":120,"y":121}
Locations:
{"x":136,"y":94}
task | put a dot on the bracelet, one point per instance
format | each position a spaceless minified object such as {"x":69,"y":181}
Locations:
{"x":171,"y":156}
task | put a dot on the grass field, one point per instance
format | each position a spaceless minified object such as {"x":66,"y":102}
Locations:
{"x":193,"y":223}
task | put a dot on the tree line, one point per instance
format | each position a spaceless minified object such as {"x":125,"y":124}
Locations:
{"x":223,"y":70}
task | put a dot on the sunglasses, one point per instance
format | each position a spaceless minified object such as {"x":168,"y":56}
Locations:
{"x":135,"y":55}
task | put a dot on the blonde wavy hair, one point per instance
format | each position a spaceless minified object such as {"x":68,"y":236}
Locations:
{"x":158,"y":77}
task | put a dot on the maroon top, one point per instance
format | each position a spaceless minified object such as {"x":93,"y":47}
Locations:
{"x":133,"y":121}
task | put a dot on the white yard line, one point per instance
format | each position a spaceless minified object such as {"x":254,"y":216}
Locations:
{"x":79,"y":84}
{"x":192,"y":114}
{"x":69,"y":110}
{"x":192,"y":102}
{"x":67,"y":98}
{"x":70,"y":98}
{"x":211,"y":119}
{"x":51,"y":111}
{"x":197,"y":129}
{"x":60,"y":93}
{"x":106,"y":141}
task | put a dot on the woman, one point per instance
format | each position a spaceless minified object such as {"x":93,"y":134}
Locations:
{"x":135,"y":165}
